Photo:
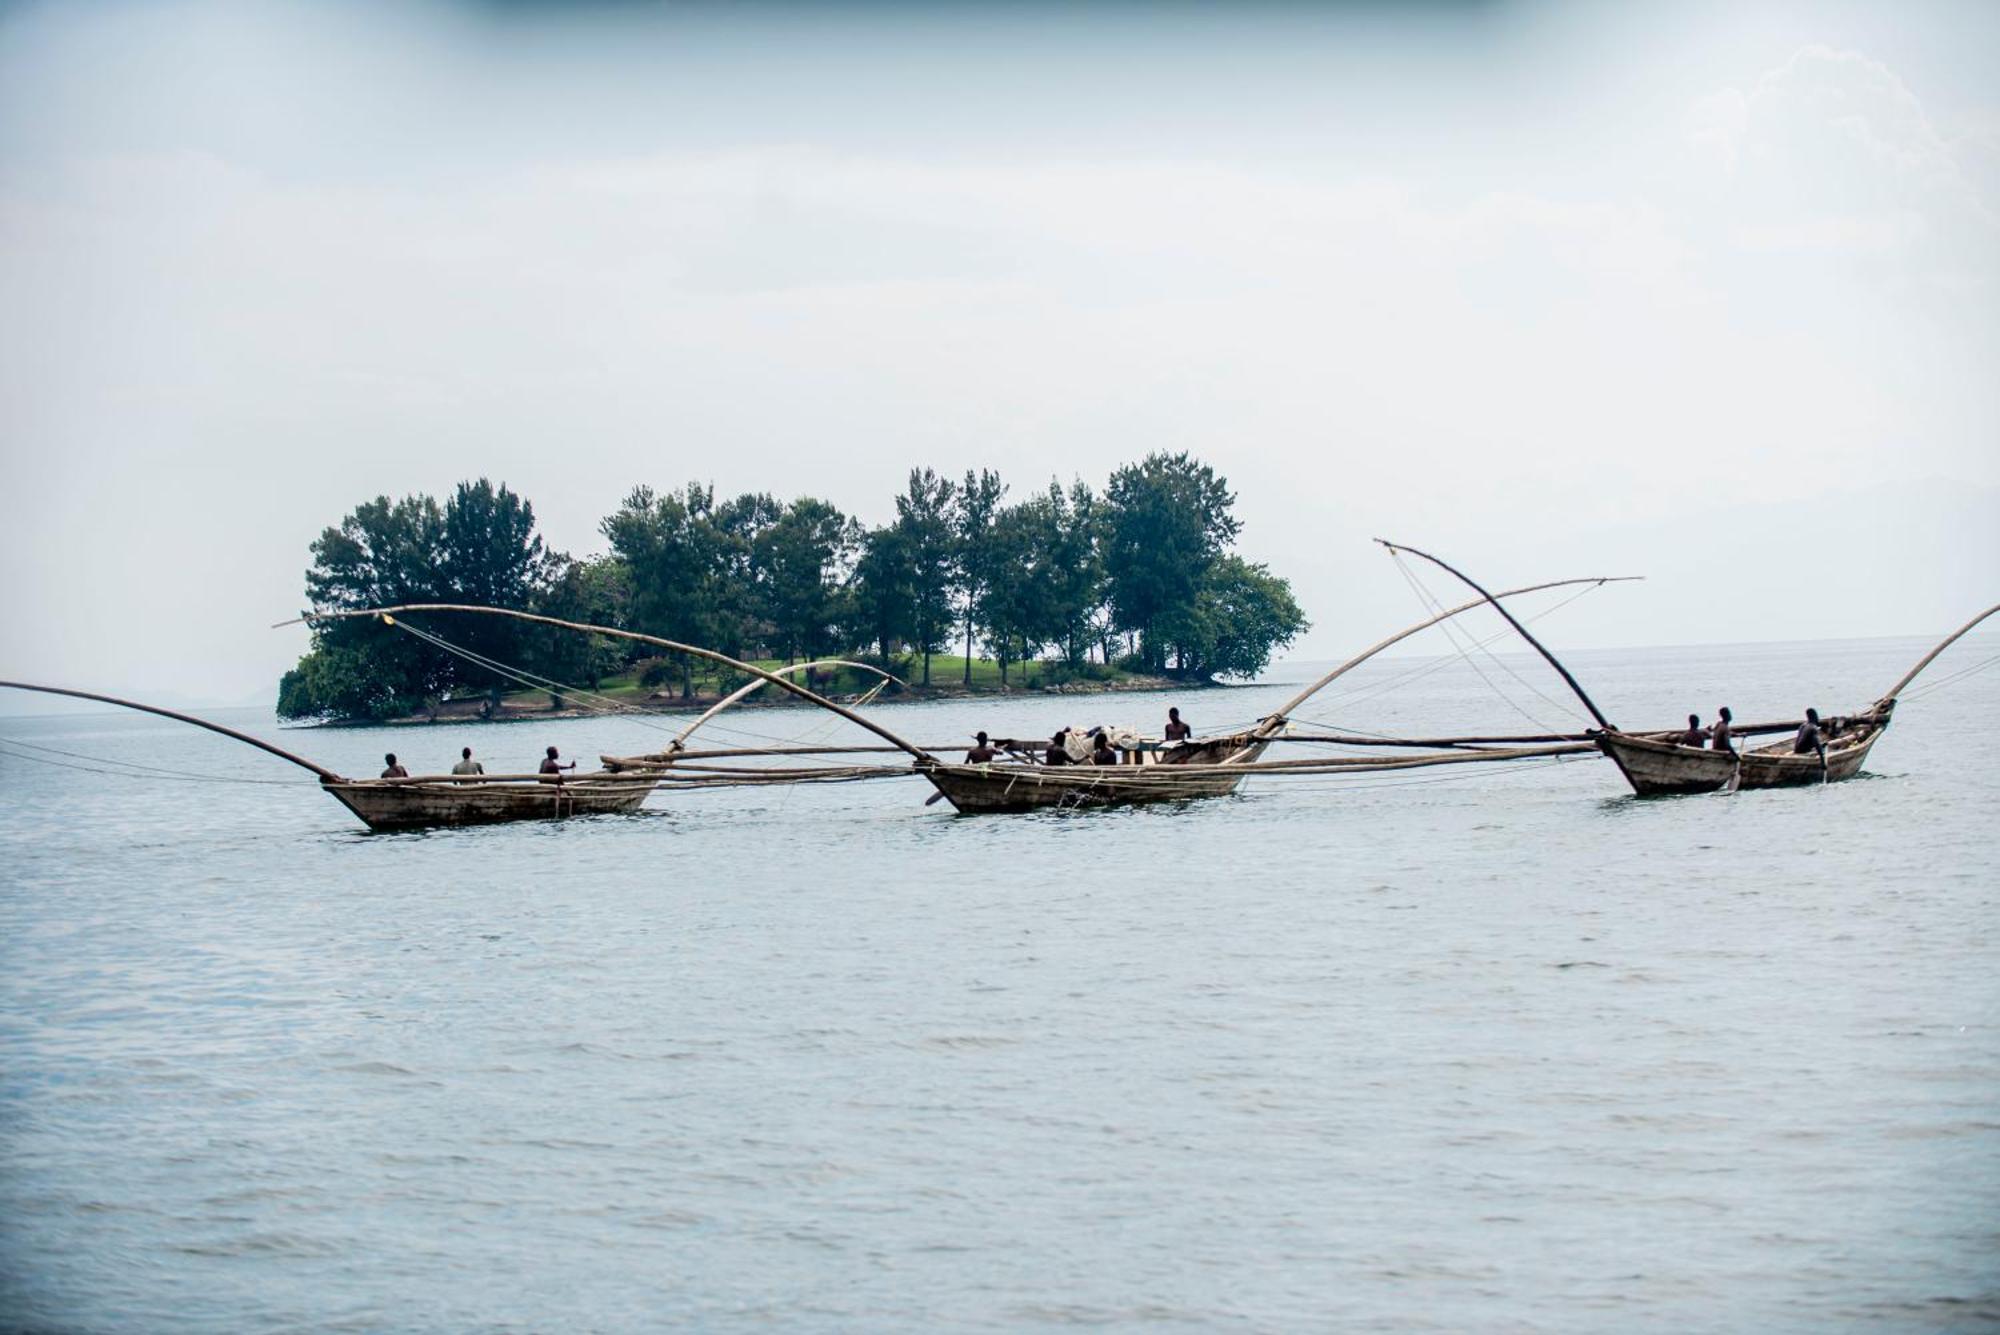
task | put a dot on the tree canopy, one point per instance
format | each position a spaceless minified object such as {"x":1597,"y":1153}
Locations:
{"x":1059,"y":575}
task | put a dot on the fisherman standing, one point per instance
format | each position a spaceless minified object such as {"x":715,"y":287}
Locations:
{"x":1719,"y":736}
{"x":1177,"y":731}
{"x":394,"y":771}
{"x":466,"y":764}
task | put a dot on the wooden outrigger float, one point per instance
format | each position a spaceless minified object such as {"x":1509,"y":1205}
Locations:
{"x":427,"y":801}
{"x":1657,"y":766}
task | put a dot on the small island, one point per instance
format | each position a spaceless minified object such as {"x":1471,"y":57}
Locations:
{"x":1134,"y":587}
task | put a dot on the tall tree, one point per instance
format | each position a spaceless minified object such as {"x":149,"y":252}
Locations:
{"x":489,"y":555}
{"x":804,"y":559}
{"x":1076,"y":569}
{"x":884,"y":592}
{"x":1170,"y":520}
{"x":1242,"y":613}
{"x":677,"y":559}
{"x":596,"y":591}
{"x":739,"y":590}
{"x":1013,"y":609}
{"x":978,"y":501}
{"x":479,"y":547}
{"x":924,"y":524}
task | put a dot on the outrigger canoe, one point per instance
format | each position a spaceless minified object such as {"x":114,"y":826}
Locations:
{"x":428,"y":801}
{"x":1656,"y":766}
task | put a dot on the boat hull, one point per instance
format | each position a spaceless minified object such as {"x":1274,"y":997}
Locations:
{"x":1659,"y":768}
{"x":424,"y":806}
{"x":990,"y":789}
{"x":1775,"y":768}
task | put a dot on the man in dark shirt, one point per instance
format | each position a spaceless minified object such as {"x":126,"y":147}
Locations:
{"x":1809,"y":739}
{"x":1719,"y":735}
{"x":1057,"y":754}
{"x":1177,"y":731}
{"x":982,"y":753}
{"x":1694,"y":736}
{"x":551,"y":771}
{"x":394,"y":771}
{"x":1102,"y":754}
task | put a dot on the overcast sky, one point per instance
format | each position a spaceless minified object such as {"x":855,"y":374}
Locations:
{"x":1705,"y":293}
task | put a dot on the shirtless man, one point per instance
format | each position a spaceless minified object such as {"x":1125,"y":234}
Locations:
{"x":1177,"y":731}
{"x":551,"y":771}
{"x":1719,"y":736}
{"x":1695,"y":735}
{"x":394,"y":771}
{"x":466,"y":764}
{"x":1057,"y":754}
{"x":982,"y":753}
{"x":1102,"y":754}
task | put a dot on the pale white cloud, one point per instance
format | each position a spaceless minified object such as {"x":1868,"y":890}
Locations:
{"x":1831,"y":153}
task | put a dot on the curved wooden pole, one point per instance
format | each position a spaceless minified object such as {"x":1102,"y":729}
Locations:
{"x":675,"y":645}
{"x":1405,"y":634}
{"x":326,"y":775}
{"x":1943,"y":645}
{"x":1540,"y":648}
{"x":755,"y":685}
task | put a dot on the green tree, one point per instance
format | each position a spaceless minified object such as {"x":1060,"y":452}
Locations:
{"x":677,"y":559}
{"x":595,"y":591}
{"x":381,"y":553}
{"x":924,"y":526}
{"x":975,"y":564}
{"x":1013,"y":608}
{"x":479,"y":547}
{"x":1169,"y":521}
{"x":740,"y":589}
{"x":1242,"y":614}
{"x":884,"y":599}
{"x":489,"y":555}
{"x":1075,"y":562}
{"x":803,"y":558}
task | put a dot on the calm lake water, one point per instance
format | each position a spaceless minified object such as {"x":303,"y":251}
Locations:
{"x":1459,"y":1050}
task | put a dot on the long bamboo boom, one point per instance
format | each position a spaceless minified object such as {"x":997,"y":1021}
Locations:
{"x":680,"y":738}
{"x":676,"y":646}
{"x":1943,"y":645}
{"x":325,"y":774}
{"x":1404,"y":634}
{"x":1525,"y":634}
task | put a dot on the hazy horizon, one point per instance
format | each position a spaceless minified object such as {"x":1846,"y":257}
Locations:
{"x":1699,"y":292}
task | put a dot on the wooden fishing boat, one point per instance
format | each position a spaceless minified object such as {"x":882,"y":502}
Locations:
{"x":443,"y":800}
{"x":1656,"y":765}
{"x":429,"y":801}
{"x":1209,"y":767}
